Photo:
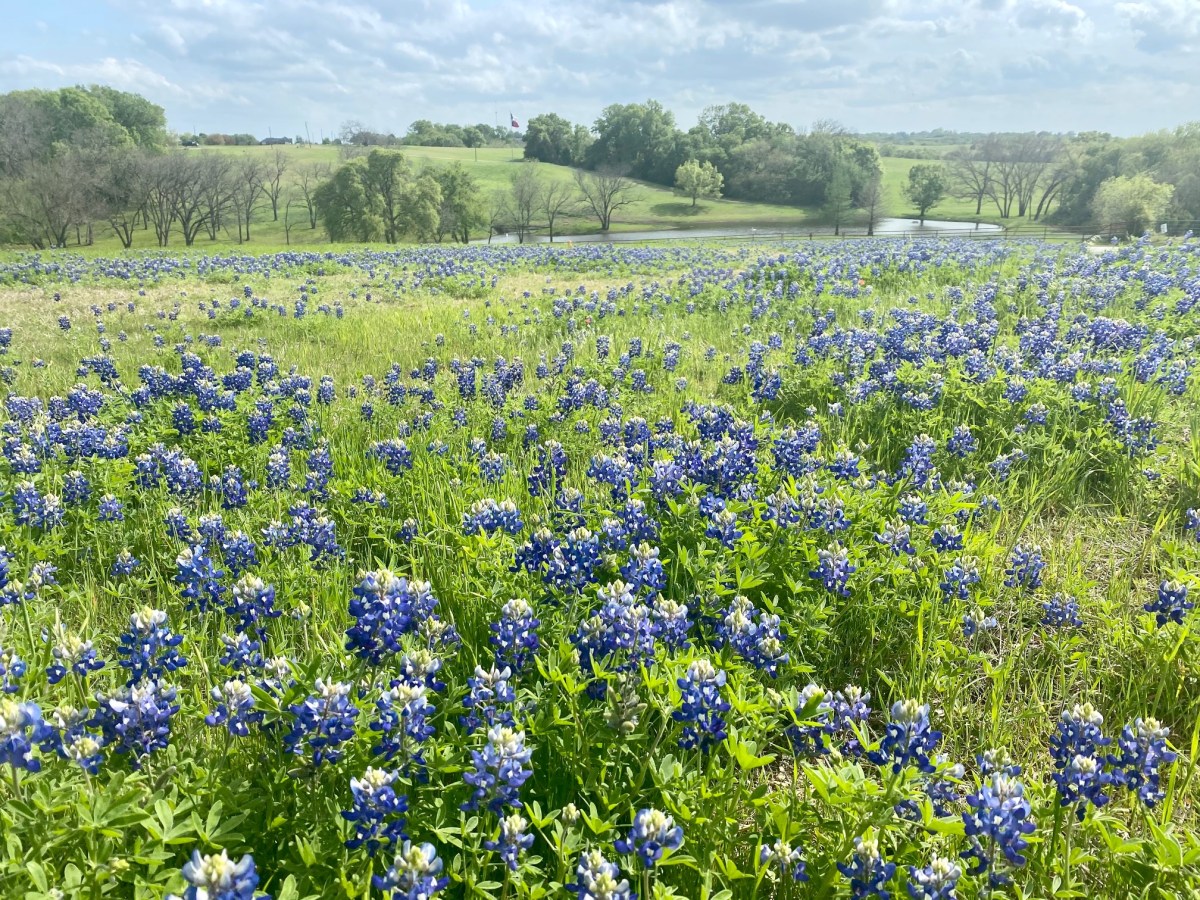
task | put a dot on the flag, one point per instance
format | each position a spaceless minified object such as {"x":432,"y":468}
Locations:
{"x":515,"y":123}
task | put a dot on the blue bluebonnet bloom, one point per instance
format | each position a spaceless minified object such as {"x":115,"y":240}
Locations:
{"x":490,"y":701}
{"x":936,"y":881}
{"x":976,"y":621}
{"x":234,"y":707}
{"x":722,"y":526}
{"x":412,"y":875}
{"x":149,"y":649}
{"x":957,"y":579}
{"x":908,"y":739}
{"x":200,"y":577}
{"x":754,"y":635}
{"x":1079,"y":763}
{"x":21,"y":729}
{"x":653,"y":832}
{"x":252,"y":604}
{"x":834,"y":569}
{"x":812,"y":733}
{"x":1171,"y":603}
{"x":913,"y":509}
{"x":241,"y":653}
{"x":1025,"y":568}
{"x":849,"y":710}
{"x":385,"y":607}
{"x":701,"y":707}
{"x":515,"y":637}
{"x":12,"y":670}
{"x":962,"y":443}
{"x":671,"y":623}
{"x":402,"y":713}
{"x":499,"y":770}
{"x":947,"y":538}
{"x":322,"y":723}
{"x":512,"y":840}
{"x":896,"y":536}
{"x":1061,"y":611}
{"x":124,"y":564}
{"x":217,"y":877}
{"x":488,"y":515}
{"x":1143,"y":751}
{"x":137,"y":721}
{"x":997,"y":822}
{"x":71,"y":654}
{"x":787,"y":859}
{"x":598,"y":879}
{"x":378,"y":811}
{"x":1191,"y":521}
{"x":867,"y":870}
{"x":644,"y":570}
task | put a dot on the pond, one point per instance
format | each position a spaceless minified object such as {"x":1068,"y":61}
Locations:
{"x":885,"y":228}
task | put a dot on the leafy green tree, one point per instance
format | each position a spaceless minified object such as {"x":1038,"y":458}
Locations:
{"x":698,"y":179}
{"x":346,"y":207}
{"x":638,"y":138}
{"x":462,"y":206}
{"x":1131,"y":203}
{"x":838,"y":202}
{"x":550,"y":138}
{"x":926,"y":187}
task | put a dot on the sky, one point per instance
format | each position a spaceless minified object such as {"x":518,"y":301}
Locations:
{"x":281,"y":66}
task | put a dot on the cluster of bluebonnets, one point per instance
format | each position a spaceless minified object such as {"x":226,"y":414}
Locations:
{"x":731,"y":582}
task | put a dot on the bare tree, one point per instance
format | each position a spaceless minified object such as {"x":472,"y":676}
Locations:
{"x":162,"y":179}
{"x":288,"y":222}
{"x":216,"y":186}
{"x":247,"y":189}
{"x":970,"y":175}
{"x":558,"y":201}
{"x":604,"y":192}
{"x":275,"y":169}
{"x":309,"y":178}
{"x":524,"y":200}
{"x":124,"y":191}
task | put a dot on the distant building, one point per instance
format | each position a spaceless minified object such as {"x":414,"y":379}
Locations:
{"x":272,"y":141}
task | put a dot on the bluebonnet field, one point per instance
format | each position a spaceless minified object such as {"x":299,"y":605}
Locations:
{"x":832,"y":570}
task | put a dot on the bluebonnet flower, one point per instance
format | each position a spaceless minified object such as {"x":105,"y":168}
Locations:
{"x":402,"y":713}
{"x":234,"y":707}
{"x":394,"y":454}
{"x":1191,"y":522}
{"x":1076,"y":749}
{"x":701,"y":707}
{"x":407,"y":533}
{"x":386,"y":607}
{"x":378,"y":811}
{"x":1144,"y":750}
{"x":12,"y":670}
{"x":512,"y":840}
{"x":813,"y":707}
{"x":490,"y":701}
{"x":149,"y":649}
{"x":957,"y":579}
{"x":975,"y":621}
{"x":21,"y":729}
{"x":723,"y":527}
{"x":653,"y":832}
{"x":110,"y":509}
{"x":644,"y":571}
{"x":896,"y":537}
{"x":412,"y":875}
{"x":71,"y":654}
{"x":997,"y":822}
{"x":217,"y":877}
{"x":1171,"y":603}
{"x":936,"y":881}
{"x":908,"y":739}
{"x":515,"y":637}
{"x":671,"y":623}
{"x":252,"y":603}
{"x":499,"y":770}
{"x":598,"y":879}
{"x":783,"y":856}
{"x":913,"y":509}
{"x":619,"y":637}
{"x":753,"y":634}
{"x":1061,"y":611}
{"x":124,"y":564}
{"x":834,"y":570}
{"x":917,"y":465}
{"x":962,"y":443}
{"x":241,"y":653}
{"x":137,"y":721}
{"x":867,"y":870}
{"x":947,"y":538}
{"x":488,"y":515}
{"x":492,"y":467}
{"x":1025,"y":568}
{"x":200,"y":577}
{"x":322,"y":723}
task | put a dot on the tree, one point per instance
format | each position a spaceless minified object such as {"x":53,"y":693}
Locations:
{"x":698,"y":179}
{"x":838,"y":201}
{"x":551,"y":138}
{"x":558,"y":201}
{"x":275,"y":169}
{"x":926,"y":187}
{"x":523,"y":202}
{"x":873,"y":203}
{"x":308,"y":177}
{"x":968,"y":175}
{"x":461,"y":208}
{"x":604,"y":192}
{"x":639,"y":138}
{"x":1131,"y":203}
{"x":247,"y":189}
{"x":378,"y":197}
